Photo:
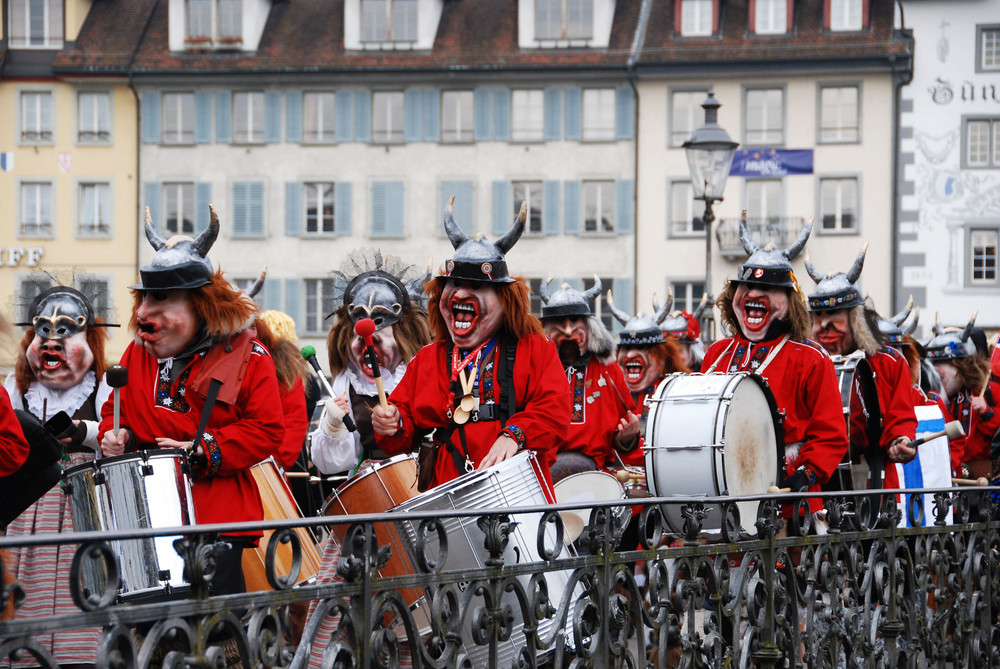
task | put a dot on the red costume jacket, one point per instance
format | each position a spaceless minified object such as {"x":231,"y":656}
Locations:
{"x":13,"y":447}
{"x":541,"y":397}
{"x":600,"y":398}
{"x":239,"y":434}
{"x":979,"y":429}
{"x":892,"y":380}
{"x":293,"y":405}
{"x":805,"y":388}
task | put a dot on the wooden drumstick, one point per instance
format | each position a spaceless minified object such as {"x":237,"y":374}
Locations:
{"x":981,"y":481}
{"x":775,"y":489}
{"x":365,"y":328}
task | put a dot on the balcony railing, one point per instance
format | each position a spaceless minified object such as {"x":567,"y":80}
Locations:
{"x":781,"y":231}
{"x":867,"y":593}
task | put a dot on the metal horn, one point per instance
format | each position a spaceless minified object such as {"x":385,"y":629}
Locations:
{"x":701,"y":307}
{"x":937,"y":329}
{"x":749,"y":245}
{"x":855,"y":272}
{"x":455,"y":233}
{"x":594,"y":291}
{"x":813,"y":271}
{"x":205,"y":240}
{"x":543,"y":290}
{"x":619,"y":315}
{"x":967,"y":332}
{"x":904,"y":314}
{"x":511,"y":236}
{"x":911,"y":327}
{"x":156,"y":240}
{"x":258,"y":284}
{"x":796,"y":248}
{"x":659,"y":315}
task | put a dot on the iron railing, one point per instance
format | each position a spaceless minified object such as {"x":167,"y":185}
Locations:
{"x":781,"y":231}
{"x":867,"y":593}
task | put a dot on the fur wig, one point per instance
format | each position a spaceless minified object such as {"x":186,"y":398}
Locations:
{"x":96,"y":340}
{"x":974,"y":371}
{"x":863,"y":321}
{"x":411,"y":333}
{"x":288,"y":362}
{"x":515,"y":301}
{"x":600,"y":343}
{"x":220,"y":309}
{"x":798,"y":315}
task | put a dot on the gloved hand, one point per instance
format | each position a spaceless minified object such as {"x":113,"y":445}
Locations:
{"x":798,"y":481}
{"x":332,"y":420}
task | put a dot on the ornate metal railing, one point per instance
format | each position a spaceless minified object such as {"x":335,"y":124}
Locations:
{"x":868,"y":593}
{"x":781,"y":231}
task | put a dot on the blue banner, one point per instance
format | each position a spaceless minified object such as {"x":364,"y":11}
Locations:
{"x":770,"y":163}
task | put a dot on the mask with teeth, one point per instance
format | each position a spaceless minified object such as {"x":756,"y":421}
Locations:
{"x":471,"y":311}
{"x":640,"y":368}
{"x":386,"y":349}
{"x":758,"y":307}
{"x":59,"y":355}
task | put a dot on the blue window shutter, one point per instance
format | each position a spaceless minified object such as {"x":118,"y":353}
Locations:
{"x":293,"y":299}
{"x":502,"y":216}
{"x":464,"y":192}
{"x":379,"y":227}
{"x":293,"y":116}
{"x":572,"y":99}
{"x":345,"y":116}
{"x":202,"y":198}
{"x":272,"y":293}
{"x":151,"y":117}
{"x":240,"y":226}
{"x":550,"y":207}
{"x":272,"y":116}
{"x":342,"y":207}
{"x":625,"y":206}
{"x":501,"y":114}
{"x":571,"y":205}
{"x":223,"y":116}
{"x":202,"y":117}
{"x":432,"y":116}
{"x":625,"y":125}
{"x":412,"y":108}
{"x":553,"y":113}
{"x":394,"y":209}
{"x":293,"y":209}
{"x":255,"y":208}
{"x":623,"y":297}
{"x":363,"y":116}
{"x":483,"y":99}
{"x":154,"y":201}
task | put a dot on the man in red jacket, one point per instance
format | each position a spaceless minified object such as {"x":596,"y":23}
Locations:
{"x":846,"y":325}
{"x":601,"y":416}
{"x":195,"y":352}
{"x":490,"y":384}
{"x":764,"y":310}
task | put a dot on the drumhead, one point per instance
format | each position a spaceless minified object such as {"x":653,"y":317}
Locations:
{"x":593,"y":486}
{"x":750,"y":445}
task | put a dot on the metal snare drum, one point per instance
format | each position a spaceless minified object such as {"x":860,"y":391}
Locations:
{"x":148,"y":489}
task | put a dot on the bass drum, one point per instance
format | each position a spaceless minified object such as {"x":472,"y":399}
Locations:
{"x":711,"y":435}
{"x":863,"y":417}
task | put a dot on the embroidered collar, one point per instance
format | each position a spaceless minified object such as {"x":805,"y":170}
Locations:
{"x":54,"y":401}
{"x":362,"y":386}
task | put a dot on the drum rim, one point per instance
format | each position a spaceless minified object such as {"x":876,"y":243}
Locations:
{"x":469,"y":477}
{"x":142,"y":456}
{"x":362,"y":475}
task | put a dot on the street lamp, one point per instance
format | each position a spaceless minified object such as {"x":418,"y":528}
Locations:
{"x":710,"y":154}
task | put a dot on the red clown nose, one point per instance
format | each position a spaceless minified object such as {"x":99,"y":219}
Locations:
{"x":365,"y":328}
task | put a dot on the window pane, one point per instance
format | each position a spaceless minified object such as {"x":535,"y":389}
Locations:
{"x":98,"y":294}
{"x":536,"y":298}
{"x":94,"y":208}
{"x":598,"y":206}
{"x":199,"y":19}
{"x":686,"y":115}
{"x":983,"y":247}
{"x":599,"y":106}
{"x":319,"y":297}
{"x":845,"y":14}
{"x":977,"y":143}
{"x":178,"y":118}
{"x":387,"y":110}
{"x":839,"y":114}
{"x":764,"y":200}
{"x":36,"y":209}
{"x":248,"y":117}
{"x":457,"y":116}
{"x":94,"y":117}
{"x":764,"y":116}
{"x":696,"y":17}
{"x":771,"y":17}
{"x":548,"y":19}
{"x":839,"y":202}
{"x":991,"y":49}
{"x":178,"y":203}
{"x":319,"y":116}
{"x":579,"y":19}
{"x":36,"y":23}
{"x":230,"y":20}
{"x":36,"y":116}
{"x":319,"y":208}
{"x":527,"y":111}
{"x":530,"y":192}
{"x":404,"y":20}
{"x":683,"y":219}
{"x":374,"y":20}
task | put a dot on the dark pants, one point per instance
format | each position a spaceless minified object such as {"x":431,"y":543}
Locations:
{"x":228,"y":579}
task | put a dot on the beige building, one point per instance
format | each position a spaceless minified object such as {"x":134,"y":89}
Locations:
{"x":69,"y":164}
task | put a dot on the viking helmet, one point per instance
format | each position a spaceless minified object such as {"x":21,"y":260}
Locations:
{"x":375,"y":286}
{"x":567,"y":301}
{"x":768,"y":266}
{"x":896,"y":327}
{"x":179,"y":262}
{"x":837,"y":290}
{"x":951,"y":343}
{"x":477,"y":258}
{"x":60,"y":312}
{"x":638,"y":330}
{"x":681,"y":325}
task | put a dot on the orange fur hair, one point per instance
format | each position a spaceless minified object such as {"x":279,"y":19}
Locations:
{"x":221,"y":309}
{"x":96,"y":340}
{"x":411,"y":333}
{"x":515,"y":301}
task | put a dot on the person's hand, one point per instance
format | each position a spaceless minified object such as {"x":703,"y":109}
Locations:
{"x":899,"y":450}
{"x":628,"y":432}
{"x":166,"y":442}
{"x":979,"y":405}
{"x":385,"y":421}
{"x":113,"y":444}
{"x":504,"y":447}
{"x":797,"y":482}
{"x":331,"y":422}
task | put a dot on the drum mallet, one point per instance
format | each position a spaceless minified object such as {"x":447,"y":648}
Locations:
{"x":117,"y":377}
{"x":365,"y":328}
{"x":981,"y":481}
{"x":309,"y":354}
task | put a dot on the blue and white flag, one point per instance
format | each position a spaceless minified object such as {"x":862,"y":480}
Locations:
{"x":932,"y":466}
{"x":7,"y":161}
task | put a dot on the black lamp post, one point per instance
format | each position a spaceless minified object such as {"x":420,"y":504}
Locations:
{"x":710,"y":155}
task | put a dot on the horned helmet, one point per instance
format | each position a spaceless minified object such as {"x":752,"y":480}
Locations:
{"x":639,"y":330}
{"x":477,"y":258}
{"x":681,"y":325}
{"x":895,"y":328}
{"x":567,"y":301}
{"x":769,"y":266}
{"x":951,"y":343}
{"x":837,"y":290}
{"x":178,"y":262}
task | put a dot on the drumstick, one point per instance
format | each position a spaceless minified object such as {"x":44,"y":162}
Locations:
{"x":775,"y":489}
{"x":117,"y":378}
{"x":309,"y":354}
{"x":365,"y":328}
{"x":952,"y":430}
{"x":981,"y":481}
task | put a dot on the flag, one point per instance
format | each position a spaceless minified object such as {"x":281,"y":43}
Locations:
{"x":930,"y":469}
{"x":7,"y":161}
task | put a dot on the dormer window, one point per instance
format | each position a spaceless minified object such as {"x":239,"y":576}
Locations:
{"x":770,"y":17}
{"x":564,"y":19}
{"x":214,"y":24}
{"x":846,"y":15}
{"x":388,"y":20}
{"x":696,"y":18}
{"x":36,"y":23}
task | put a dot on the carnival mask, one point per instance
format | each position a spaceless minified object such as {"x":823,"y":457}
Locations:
{"x":757,"y":306}
{"x":165,"y":322}
{"x":641,"y":369}
{"x":59,"y":364}
{"x":471,"y":311}
{"x":832,"y":329}
{"x":389,"y":357}
{"x":569,"y":334}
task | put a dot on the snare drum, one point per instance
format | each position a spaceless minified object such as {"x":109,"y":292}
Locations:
{"x":148,"y":489}
{"x":515,"y":482}
{"x":711,"y":435}
{"x":279,"y":504}
{"x":592,"y":486}
{"x":378,"y":488}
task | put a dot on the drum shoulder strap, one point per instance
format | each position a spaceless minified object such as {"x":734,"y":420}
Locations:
{"x":505,"y":376}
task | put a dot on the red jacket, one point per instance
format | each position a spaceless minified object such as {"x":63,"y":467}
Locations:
{"x":238,"y":435}
{"x":637,"y":456}
{"x":541,"y":397}
{"x":979,"y":429}
{"x":13,"y":447}
{"x":600,"y":398}
{"x":804,"y":384}
{"x":293,"y":405}
{"x":892,"y":381}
